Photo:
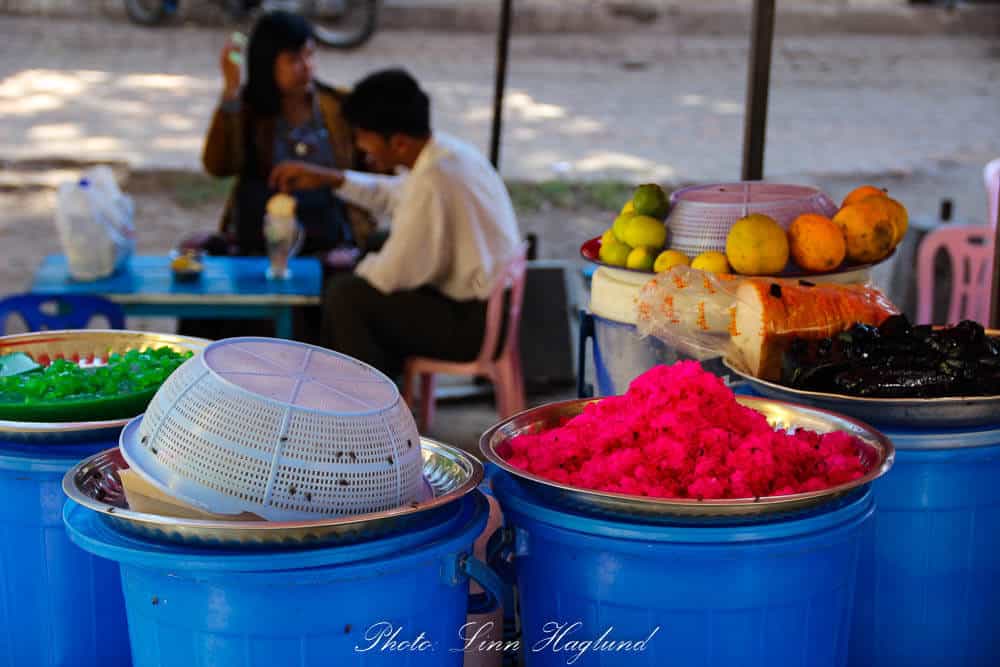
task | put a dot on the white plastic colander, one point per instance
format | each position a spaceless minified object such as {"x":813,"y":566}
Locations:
{"x":284,"y":430}
{"x":701,"y":216}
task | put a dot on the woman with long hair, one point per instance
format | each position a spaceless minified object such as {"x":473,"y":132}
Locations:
{"x":280,"y":113}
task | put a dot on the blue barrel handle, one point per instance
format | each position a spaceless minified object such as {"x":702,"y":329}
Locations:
{"x":586,"y":332}
{"x":490,"y":599}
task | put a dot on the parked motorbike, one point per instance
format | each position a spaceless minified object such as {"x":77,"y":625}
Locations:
{"x":341,"y":24}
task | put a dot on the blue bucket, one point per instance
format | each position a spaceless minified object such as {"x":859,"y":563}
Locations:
{"x":776,"y":592}
{"x":620,"y":354}
{"x":385,"y":602}
{"x":59,"y":605}
{"x":930,"y":584}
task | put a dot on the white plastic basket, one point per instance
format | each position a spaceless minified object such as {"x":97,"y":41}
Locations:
{"x":281,"y":429}
{"x":701,"y":216}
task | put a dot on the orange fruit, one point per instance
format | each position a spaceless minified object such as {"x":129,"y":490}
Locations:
{"x":816,"y":242}
{"x":895,"y":211}
{"x":860,"y":193}
{"x":868,"y":229}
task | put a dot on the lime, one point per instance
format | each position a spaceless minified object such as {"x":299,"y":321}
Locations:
{"x":614,"y":253}
{"x":650,"y":199}
{"x":643,"y":230}
{"x":640,"y":259}
{"x":668,"y":259}
{"x":620,"y":225}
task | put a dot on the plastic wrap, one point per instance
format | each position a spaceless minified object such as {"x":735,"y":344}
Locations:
{"x":750,"y":319}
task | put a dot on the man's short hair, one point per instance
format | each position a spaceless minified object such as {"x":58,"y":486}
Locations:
{"x":389,"y":102}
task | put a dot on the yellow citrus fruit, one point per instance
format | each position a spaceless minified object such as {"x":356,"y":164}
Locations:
{"x":816,"y":242}
{"x":628,"y":208}
{"x":608,"y":236}
{"x":641,"y":259}
{"x":620,"y":225}
{"x":614,"y":253}
{"x":757,"y":245}
{"x":643,"y":230}
{"x":711,"y":261}
{"x":668,"y":259}
{"x":868,"y":230}
{"x":650,"y":199}
{"x":863,"y":192}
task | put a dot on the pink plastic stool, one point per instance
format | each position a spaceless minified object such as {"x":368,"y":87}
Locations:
{"x":970,"y":251}
{"x":991,"y":179}
{"x":504,"y":371}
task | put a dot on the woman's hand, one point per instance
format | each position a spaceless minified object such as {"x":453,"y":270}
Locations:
{"x":292,"y":175}
{"x":231,"y":64}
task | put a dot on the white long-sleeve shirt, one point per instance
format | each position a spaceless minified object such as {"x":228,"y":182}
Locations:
{"x":452,"y":222}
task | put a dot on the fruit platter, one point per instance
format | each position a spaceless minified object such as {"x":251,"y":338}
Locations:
{"x":864,"y":231}
{"x":893,"y":373}
{"x":83,"y":381}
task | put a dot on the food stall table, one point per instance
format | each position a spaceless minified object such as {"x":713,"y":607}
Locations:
{"x":229,"y":288}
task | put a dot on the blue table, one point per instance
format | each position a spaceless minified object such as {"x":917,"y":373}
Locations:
{"x":229,"y":288}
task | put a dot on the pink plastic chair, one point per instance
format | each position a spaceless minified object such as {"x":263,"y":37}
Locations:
{"x":970,"y":251}
{"x":991,"y":179}
{"x":504,"y":371}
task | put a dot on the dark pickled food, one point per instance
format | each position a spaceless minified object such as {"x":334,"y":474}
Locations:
{"x":897,"y":360}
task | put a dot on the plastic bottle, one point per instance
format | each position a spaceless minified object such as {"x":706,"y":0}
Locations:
{"x":87,"y":256}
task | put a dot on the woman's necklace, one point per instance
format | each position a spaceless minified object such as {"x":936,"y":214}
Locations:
{"x":305,"y":125}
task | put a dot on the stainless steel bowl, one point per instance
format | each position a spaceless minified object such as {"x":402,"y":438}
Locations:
{"x":949,"y":412}
{"x":94,"y":483}
{"x":877,"y":453}
{"x":86,"y":343}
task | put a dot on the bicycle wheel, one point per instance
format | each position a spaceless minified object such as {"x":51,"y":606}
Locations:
{"x":348,"y":26}
{"x":150,"y":12}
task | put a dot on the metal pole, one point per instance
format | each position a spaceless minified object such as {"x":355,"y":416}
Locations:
{"x":503,"y":44}
{"x":758,"y":81}
{"x":994,"y":318}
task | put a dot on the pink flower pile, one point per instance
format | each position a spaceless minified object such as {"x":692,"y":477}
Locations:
{"x":679,"y":433}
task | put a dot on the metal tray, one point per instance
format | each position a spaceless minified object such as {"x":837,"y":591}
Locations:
{"x":878,"y":454}
{"x":94,"y":483}
{"x":84,"y":344}
{"x":949,"y":412}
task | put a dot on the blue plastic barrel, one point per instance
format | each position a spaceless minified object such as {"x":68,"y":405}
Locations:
{"x":385,"y":602}
{"x":767,"y":593}
{"x":930,"y":580}
{"x":59,"y":605}
{"x":620,"y":354}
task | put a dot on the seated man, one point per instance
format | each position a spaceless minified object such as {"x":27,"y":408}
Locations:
{"x":453,"y":229}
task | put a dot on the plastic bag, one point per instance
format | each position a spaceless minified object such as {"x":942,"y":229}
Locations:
{"x":751,"y":320}
{"x":94,"y":220}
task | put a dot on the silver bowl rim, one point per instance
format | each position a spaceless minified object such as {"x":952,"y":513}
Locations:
{"x":476,"y":473}
{"x":882,"y":445}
